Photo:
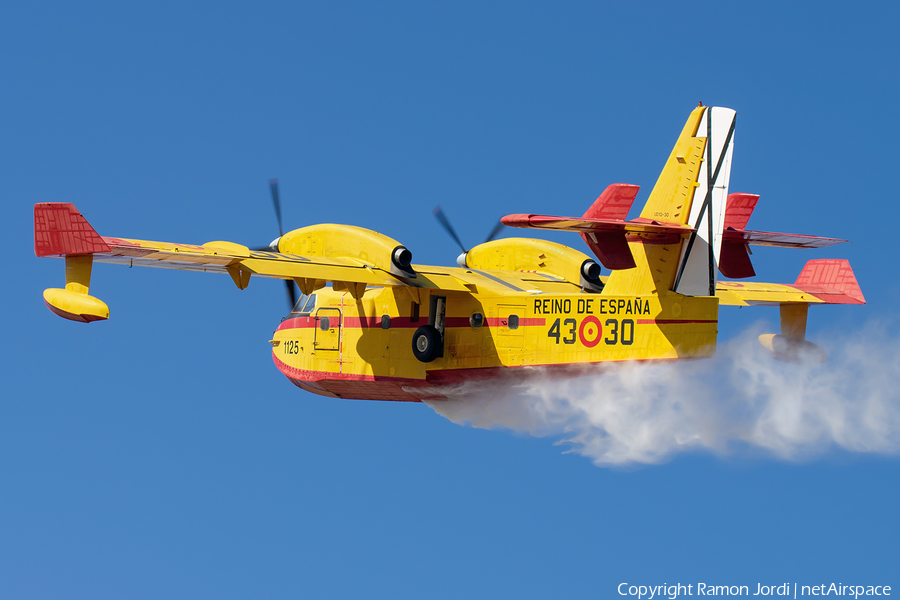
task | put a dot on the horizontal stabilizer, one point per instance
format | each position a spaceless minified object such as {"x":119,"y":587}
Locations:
{"x":59,"y":230}
{"x":583,"y":225}
{"x":738,"y":210}
{"x":605,"y":233}
{"x":779,"y":240}
{"x":735,"y":257}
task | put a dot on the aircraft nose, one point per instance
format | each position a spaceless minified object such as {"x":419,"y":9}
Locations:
{"x":461,"y":260}
{"x":273,"y":247}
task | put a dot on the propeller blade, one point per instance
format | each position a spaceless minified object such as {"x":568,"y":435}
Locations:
{"x":497,"y":229}
{"x":276,"y":199}
{"x":442,"y":219}
{"x":292,"y":293}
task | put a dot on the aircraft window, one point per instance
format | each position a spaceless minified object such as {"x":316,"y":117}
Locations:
{"x":513,"y":321}
{"x":324,"y":323}
{"x":298,"y":308}
{"x":476,"y":320}
{"x":310,"y":304}
{"x":385,"y":321}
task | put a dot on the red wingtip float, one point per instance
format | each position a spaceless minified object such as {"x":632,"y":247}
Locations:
{"x":370,"y":324}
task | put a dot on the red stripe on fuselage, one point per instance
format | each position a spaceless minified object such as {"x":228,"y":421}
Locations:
{"x":405,"y":322}
{"x":673,"y":321}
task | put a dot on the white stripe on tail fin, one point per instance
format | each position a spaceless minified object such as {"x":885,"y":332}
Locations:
{"x":700,"y":254}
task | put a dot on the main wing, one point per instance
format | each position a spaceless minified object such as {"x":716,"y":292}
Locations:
{"x":822,"y":281}
{"x":61,"y":231}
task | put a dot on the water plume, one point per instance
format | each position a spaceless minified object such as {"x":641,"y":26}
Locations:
{"x":742,"y":401}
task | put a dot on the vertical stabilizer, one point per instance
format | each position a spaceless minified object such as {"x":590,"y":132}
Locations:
{"x":700,"y":254}
{"x":671,"y":197}
{"x":690,"y":190}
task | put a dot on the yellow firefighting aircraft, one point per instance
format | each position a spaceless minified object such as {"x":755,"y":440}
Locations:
{"x":371,"y":325}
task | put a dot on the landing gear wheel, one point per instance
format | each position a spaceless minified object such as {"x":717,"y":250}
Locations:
{"x":426,"y":343}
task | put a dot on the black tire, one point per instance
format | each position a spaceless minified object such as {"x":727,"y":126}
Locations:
{"x":426,"y":343}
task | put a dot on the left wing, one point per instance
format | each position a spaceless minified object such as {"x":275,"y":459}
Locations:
{"x":61,"y":231}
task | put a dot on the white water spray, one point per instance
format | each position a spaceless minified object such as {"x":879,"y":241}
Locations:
{"x":740,"y":400}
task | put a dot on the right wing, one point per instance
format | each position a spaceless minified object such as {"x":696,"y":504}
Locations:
{"x":824,"y":281}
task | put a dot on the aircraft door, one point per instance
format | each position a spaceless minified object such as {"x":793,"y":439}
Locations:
{"x":510,"y":332}
{"x":328,"y":329}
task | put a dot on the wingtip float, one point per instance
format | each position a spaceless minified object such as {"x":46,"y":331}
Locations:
{"x":371,"y":325}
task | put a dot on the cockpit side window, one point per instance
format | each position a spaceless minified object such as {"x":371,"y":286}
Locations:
{"x":301,"y":302}
{"x":310,"y":304}
{"x":305,"y":305}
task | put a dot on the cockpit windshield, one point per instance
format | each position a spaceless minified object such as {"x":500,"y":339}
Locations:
{"x":305,"y":305}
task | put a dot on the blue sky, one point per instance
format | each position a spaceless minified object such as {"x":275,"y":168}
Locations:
{"x":162,"y":454}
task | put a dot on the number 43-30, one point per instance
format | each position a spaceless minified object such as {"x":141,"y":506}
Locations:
{"x":616,"y":331}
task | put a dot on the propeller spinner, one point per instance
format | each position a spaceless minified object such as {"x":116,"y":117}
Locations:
{"x":445,"y":223}
{"x":273,"y":247}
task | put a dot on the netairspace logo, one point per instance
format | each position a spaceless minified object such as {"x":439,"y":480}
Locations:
{"x":738,"y":402}
{"x":649,"y":592}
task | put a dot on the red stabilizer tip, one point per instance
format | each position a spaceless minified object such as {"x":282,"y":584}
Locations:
{"x":738,"y":209}
{"x":614,"y":202}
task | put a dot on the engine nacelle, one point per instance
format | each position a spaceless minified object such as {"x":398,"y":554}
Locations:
{"x":541,"y":256}
{"x":346,"y":241}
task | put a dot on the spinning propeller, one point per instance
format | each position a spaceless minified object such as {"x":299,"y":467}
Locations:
{"x":445,"y":222}
{"x":273,"y":247}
